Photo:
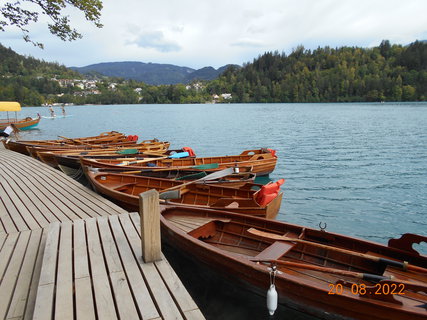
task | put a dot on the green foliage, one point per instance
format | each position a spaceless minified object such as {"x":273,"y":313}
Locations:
{"x":384,"y":73}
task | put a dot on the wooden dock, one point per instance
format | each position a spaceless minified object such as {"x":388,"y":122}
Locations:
{"x":68,"y":253}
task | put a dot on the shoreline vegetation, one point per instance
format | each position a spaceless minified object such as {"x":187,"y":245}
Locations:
{"x":387,"y":73}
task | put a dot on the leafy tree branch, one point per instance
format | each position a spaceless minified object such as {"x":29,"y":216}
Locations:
{"x":16,"y":14}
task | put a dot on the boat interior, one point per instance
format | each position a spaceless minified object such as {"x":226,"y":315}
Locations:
{"x":232,"y":237}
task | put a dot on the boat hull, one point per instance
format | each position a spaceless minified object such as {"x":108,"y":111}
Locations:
{"x":24,"y":124}
{"x":295,"y":288}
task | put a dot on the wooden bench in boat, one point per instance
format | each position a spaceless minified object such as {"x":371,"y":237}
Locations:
{"x":275,"y":251}
{"x":189,"y":223}
{"x":124,"y":186}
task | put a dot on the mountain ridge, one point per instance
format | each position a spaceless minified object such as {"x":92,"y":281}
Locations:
{"x":151,"y":73}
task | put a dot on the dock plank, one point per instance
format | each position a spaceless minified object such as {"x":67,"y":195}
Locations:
{"x":31,"y":300}
{"x":7,"y":251}
{"x":177,"y":289}
{"x":6,"y":224}
{"x":51,"y":198}
{"x":62,"y":183}
{"x":103,"y":296}
{"x":57,"y":191}
{"x":119,"y":283}
{"x":165,"y":302}
{"x":21,"y":293}
{"x":44,"y":300}
{"x":84,"y":303}
{"x":10,"y":207}
{"x":37,"y":198}
{"x":64,"y":288}
{"x":24,"y":206}
{"x":145,"y":304}
{"x":84,"y":296}
{"x":10,"y":277}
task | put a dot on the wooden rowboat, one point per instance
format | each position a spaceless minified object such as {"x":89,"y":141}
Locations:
{"x":71,"y":158}
{"x":236,"y":180}
{"x":103,"y":138}
{"x":34,"y":148}
{"x":325,"y":274}
{"x":262,"y":161}
{"x":125,"y":189}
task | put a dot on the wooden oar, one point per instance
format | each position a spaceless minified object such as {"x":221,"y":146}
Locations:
{"x":126,"y":163}
{"x":358,"y":275}
{"x":174,"y":156}
{"x":402,"y":265}
{"x":74,"y":140}
{"x":199,"y":167}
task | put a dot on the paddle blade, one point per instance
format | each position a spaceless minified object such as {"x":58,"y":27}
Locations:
{"x":206,"y":166}
{"x":218,"y":174}
{"x":173,"y":194}
{"x":127,"y":151}
{"x":193,"y":176}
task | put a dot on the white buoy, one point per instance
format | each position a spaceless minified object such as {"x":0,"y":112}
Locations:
{"x":272,"y":299}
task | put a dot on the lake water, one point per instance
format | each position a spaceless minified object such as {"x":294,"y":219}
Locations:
{"x":359,"y":168}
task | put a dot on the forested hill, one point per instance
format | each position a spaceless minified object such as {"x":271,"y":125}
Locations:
{"x":15,"y":65}
{"x":28,"y":80}
{"x":384,"y":73}
{"x":151,"y":73}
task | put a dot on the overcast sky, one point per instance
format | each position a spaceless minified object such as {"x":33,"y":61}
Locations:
{"x":217,"y":32}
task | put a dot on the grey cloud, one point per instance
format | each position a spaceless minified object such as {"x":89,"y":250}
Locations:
{"x":247,"y":44}
{"x":155,"y":40}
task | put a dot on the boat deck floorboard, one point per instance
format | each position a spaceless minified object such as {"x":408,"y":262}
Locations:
{"x":66,"y":252}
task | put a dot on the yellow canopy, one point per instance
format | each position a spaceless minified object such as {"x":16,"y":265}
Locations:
{"x":9,"y":106}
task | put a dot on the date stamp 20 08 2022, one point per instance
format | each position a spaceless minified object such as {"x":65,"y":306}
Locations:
{"x":362,"y":289}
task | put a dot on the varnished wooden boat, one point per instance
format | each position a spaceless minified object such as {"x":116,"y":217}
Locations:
{"x":71,"y":157}
{"x":318,"y":273}
{"x":236,"y":180}
{"x":32,"y":149}
{"x":262,"y":161}
{"x":103,"y":138}
{"x":125,"y":189}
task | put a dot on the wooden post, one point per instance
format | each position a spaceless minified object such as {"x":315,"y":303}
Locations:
{"x":149,"y":211}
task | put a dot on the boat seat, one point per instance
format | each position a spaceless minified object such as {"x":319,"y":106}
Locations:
{"x":124,"y":186}
{"x":275,"y":251}
{"x":208,"y":229}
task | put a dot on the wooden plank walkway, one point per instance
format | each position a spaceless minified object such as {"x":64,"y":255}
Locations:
{"x":66,"y":252}
{"x":33,"y":195}
{"x":110,"y":279}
